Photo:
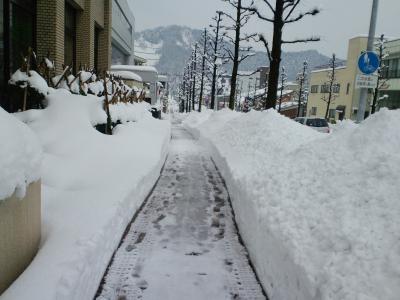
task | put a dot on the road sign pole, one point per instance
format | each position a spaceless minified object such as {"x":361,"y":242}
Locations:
{"x":370,"y":47}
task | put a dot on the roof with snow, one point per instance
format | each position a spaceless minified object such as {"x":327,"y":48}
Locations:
{"x":127,"y":75}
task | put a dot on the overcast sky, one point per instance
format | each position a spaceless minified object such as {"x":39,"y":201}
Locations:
{"x":338,"y":21}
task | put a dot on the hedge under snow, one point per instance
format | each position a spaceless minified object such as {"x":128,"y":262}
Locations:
{"x":92,"y":184}
{"x":319,"y":213}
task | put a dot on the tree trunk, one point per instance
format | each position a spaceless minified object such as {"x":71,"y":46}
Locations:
{"x":214,"y":81}
{"x":232,"y":96}
{"x":275,"y":56}
{"x":202,"y":70}
{"x":194,"y":77}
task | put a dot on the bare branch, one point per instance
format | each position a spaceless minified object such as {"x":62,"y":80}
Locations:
{"x":311,"y":39}
{"x":266,"y":45}
{"x":312,"y":12}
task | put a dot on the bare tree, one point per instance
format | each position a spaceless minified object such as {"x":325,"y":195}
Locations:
{"x":330,"y":88}
{"x":203,"y":68}
{"x":283,"y":13}
{"x":302,"y":80}
{"x":217,"y":49}
{"x":381,"y":70}
{"x":239,"y":53}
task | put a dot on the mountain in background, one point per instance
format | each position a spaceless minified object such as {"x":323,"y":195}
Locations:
{"x":168,"y":48}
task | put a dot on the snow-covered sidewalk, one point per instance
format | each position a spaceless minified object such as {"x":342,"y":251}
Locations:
{"x":183,"y":244}
{"x":92,"y":186}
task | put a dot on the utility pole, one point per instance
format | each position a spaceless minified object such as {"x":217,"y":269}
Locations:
{"x":370,"y":47}
{"x":203,"y":69}
{"x":194,"y":71}
{"x":214,"y":81}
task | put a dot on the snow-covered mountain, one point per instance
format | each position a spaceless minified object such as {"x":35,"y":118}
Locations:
{"x":167,"y":48}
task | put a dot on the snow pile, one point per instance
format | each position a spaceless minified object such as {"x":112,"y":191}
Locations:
{"x":34,"y":81}
{"x":129,"y":112}
{"x":319,"y":213}
{"x":20,"y":156}
{"x":92,"y":185}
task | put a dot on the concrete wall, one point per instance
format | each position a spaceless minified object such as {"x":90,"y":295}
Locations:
{"x":20,"y":229}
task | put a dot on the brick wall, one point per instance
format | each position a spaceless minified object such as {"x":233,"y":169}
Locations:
{"x":105,"y":38}
{"x":85,"y":36}
{"x":50,"y":30}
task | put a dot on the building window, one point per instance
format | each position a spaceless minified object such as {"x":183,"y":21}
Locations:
{"x":336,"y":88}
{"x":22,"y":34}
{"x":70,"y":37}
{"x":2,"y":62}
{"x":117,"y":56}
{"x":96,"y":47}
{"x":313,"y":111}
{"x":348,"y":89}
{"x":314,"y":89}
{"x":324,"y":89}
{"x":392,"y":69}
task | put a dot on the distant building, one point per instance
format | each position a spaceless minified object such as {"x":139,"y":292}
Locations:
{"x":391,"y":86}
{"x":123,"y":31}
{"x":345,"y":106}
{"x":250,"y":81}
{"x":74,"y":32}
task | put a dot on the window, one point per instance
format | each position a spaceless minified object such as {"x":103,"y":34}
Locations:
{"x":2,"y":63}
{"x":336,"y":88}
{"x":314,"y":89}
{"x":117,"y":56}
{"x":313,"y":111}
{"x":22,"y":24}
{"x":69,"y":37}
{"x":348,"y":89}
{"x":332,"y":113}
{"x":392,"y":69}
{"x":324,"y":89}
{"x":96,"y":47}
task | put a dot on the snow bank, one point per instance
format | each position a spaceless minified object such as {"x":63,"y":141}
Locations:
{"x":92,"y":185}
{"x":319,"y":213}
{"x":20,"y":156}
{"x":130,"y":112}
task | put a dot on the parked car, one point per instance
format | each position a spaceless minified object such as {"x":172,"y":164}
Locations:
{"x":318,"y":124}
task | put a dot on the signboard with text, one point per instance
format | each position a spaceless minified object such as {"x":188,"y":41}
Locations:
{"x":366,"y":81}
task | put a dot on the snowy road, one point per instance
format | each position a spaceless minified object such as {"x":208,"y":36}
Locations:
{"x":183,"y":244}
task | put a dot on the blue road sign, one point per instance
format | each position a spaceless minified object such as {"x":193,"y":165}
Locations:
{"x":368,"y":62}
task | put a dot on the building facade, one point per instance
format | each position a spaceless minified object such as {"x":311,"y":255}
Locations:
{"x":346,"y":97}
{"x":390,"y":89}
{"x":75,"y":33}
{"x":123,"y":31}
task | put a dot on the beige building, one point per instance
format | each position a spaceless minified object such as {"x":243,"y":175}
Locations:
{"x":345,"y":103}
{"x":72,"y":32}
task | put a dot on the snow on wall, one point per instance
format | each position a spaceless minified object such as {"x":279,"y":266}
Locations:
{"x":20,"y":156}
{"x":318,"y":212}
{"x":92,"y":184}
